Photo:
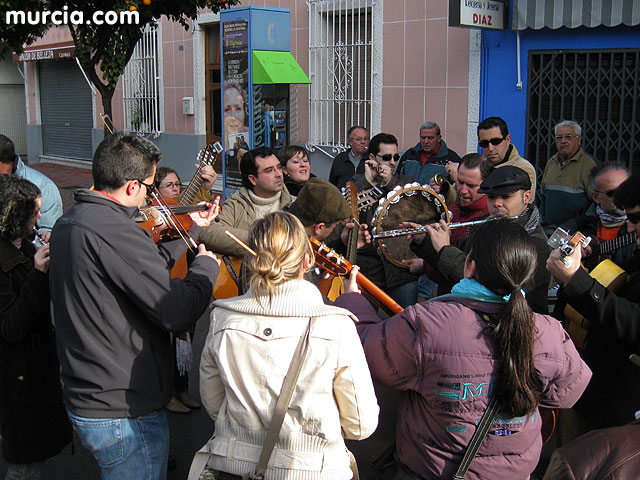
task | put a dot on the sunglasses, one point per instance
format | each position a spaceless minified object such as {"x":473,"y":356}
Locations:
{"x":633,"y":217}
{"x":387,"y":157}
{"x":494,"y":141}
{"x":608,"y":193}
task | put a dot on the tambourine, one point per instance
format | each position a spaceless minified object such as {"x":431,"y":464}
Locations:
{"x":411,"y":203}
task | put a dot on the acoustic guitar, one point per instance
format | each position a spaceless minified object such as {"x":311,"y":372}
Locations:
{"x":333,"y":287}
{"x":338,"y":266}
{"x":607,"y":273}
{"x":610,"y":276}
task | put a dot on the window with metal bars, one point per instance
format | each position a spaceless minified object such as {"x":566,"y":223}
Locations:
{"x":141,"y":86}
{"x":599,"y":89}
{"x":340,"y":68}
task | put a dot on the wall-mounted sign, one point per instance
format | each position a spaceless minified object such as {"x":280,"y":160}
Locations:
{"x":45,"y":54}
{"x":491,"y":14}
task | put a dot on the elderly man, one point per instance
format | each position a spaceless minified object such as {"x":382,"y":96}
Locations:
{"x":10,"y":162}
{"x":603,"y":220}
{"x":508,"y":191}
{"x":613,"y":396}
{"x":495,"y":142}
{"x":564,"y":187}
{"x":347,"y":164}
{"x":430,"y":156}
{"x":262,"y":192}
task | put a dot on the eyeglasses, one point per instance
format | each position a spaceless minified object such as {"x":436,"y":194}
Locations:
{"x":633,"y":217}
{"x":387,"y":157}
{"x":170,"y":185}
{"x":270,"y":170}
{"x":566,"y":137}
{"x":608,"y":193}
{"x":494,"y":141}
{"x":150,"y":188}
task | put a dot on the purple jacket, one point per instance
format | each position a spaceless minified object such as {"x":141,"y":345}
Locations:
{"x":438,"y":354}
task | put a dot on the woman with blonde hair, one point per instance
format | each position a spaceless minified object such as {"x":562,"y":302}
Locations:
{"x":248,"y":352}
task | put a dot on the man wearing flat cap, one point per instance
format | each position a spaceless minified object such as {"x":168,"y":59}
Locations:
{"x":508,"y":191}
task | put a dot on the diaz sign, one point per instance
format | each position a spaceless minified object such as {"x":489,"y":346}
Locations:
{"x":491,"y":14}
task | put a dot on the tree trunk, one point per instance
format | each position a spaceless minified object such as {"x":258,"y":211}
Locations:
{"x":107,"y":97}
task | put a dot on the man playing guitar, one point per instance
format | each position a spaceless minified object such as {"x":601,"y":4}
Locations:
{"x":613,"y":396}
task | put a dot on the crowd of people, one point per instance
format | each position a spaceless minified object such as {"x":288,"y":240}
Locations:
{"x":98,"y":310}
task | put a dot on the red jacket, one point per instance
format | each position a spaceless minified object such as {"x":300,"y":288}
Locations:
{"x":465,"y":214}
{"x":438,"y":355}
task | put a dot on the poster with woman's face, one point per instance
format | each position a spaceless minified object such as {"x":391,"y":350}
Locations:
{"x":236,"y":77}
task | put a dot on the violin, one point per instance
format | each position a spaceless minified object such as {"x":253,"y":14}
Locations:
{"x":161,"y":220}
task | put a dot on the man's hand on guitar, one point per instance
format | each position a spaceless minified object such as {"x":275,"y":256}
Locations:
{"x":350,"y":284}
{"x":202,"y":251}
{"x":561,"y":269}
{"x":364,"y":237}
{"x":204,"y":218}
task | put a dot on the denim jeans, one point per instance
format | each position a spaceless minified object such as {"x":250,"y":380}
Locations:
{"x":406,"y":294}
{"x":127,"y":448}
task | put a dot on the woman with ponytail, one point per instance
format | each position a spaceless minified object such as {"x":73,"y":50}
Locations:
{"x":451,"y":355}
{"x":249,"y":350}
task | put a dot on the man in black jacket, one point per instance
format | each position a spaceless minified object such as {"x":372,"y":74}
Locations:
{"x":613,"y":396}
{"x":114,"y":305}
{"x":347,"y":164}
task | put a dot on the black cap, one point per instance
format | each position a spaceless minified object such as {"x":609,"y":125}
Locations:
{"x":505,"y":180}
{"x":320,"y":201}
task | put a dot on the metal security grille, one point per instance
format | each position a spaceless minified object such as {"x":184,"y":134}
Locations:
{"x":141,"y":86}
{"x":66,"y":110}
{"x":600,"y":89}
{"x":340,"y":69}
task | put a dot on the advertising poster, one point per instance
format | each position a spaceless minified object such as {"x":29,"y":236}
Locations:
{"x":235,"y":98}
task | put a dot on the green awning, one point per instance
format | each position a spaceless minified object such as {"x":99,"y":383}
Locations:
{"x":276,"y":67}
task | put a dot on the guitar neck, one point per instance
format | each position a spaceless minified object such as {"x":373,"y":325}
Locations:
{"x":192,"y":189}
{"x":617,"y":243}
{"x":377,"y":296}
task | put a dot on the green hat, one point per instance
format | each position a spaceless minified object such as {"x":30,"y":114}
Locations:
{"x":320,"y":202}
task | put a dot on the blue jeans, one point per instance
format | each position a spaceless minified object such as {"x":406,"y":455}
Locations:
{"x":406,"y":294}
{"x":127,"y":448}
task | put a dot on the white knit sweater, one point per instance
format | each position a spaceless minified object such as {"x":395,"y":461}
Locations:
{"x":247,"y":354}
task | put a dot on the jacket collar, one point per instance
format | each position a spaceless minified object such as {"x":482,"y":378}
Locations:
{"x":286,"y":302}
{"x":10,"y":256}
{"x":85,"y":195}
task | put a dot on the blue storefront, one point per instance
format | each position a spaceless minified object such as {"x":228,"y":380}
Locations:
{"x":577,"y":60}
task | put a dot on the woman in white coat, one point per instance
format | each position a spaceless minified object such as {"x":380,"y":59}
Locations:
{"x":249,"y":350}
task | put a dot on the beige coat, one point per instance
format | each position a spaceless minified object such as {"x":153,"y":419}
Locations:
{"x":517,"y":161}
{"x":237,"y":215}
{"x":246,"y":356}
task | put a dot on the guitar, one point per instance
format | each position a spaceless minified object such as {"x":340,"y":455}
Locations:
{"x":606,"y":273}
{"x":610,"y":246}
{"x":336,"y":287}
{"x":363,"y":199}
{"x":207,"y":156}
{"x":610,"y":276}
{"x":338,"y":266}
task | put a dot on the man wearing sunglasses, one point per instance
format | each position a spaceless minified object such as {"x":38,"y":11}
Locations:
{"x":495,"y":142}
{"x":564,"y":188}
{"x":603,"y":220}
{"x":430,"y":156}
{"x":613,"y":396}
{"x":380,"y":170}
